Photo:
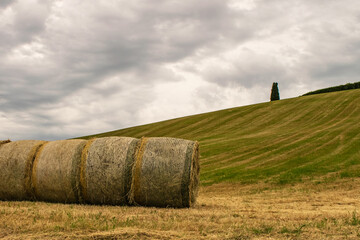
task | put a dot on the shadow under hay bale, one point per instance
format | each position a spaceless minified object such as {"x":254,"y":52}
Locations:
{"x":16,"y":160}
{"x":56,"y":171}
{"x":166,"y":173}
{"x":106,"y":170}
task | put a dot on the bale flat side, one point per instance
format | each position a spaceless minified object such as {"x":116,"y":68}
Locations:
{"x":194,"y":175}
{"x":15,"y":169}
{"x":56,"y":173}
{"x":186,"y":176}
{"x":165,"y":171}
{"x":108,"y":167}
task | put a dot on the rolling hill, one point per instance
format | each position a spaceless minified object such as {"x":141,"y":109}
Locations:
{"x":313,"y":137}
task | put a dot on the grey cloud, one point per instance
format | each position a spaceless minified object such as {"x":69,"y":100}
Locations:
{"x":100,"y":42}
{"x":339,"y":72}
{"x":250,"y":70}
{"x":162,"y":33}
{"x":28,"y":23}
{"x":331,"y":50}
{"x":70,"y":68}
{"x":335,"y":50}
{"x":6,"y":3}
{"x":28,"y":20}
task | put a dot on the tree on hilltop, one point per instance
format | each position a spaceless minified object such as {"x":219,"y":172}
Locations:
{"x":275,"y":92}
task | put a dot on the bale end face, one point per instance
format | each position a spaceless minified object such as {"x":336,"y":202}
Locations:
{"x":194,"y":175}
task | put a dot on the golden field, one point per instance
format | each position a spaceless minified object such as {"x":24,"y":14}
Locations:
{"x":224,"y":211}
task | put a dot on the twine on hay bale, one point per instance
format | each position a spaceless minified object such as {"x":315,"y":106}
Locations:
{"x":56,"y":171}
{"x":161,"y":172}
{"x":165,"y":173}
{"x":106,"y":169}
{"x":16,"y":161}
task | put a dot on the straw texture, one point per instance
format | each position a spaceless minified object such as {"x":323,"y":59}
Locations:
{"x":161,"y":172}
{"x":166,"y":173}
{"x":56,"y":171}
{"x":16,"y":160}
{"x":107,"y":170}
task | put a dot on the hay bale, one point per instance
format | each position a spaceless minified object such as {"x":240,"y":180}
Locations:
{"x":4,"y":141}
{"x":56,"y":171}
{"x":161,"y":172}
{"x":166,"y":173}
{"x":16,"y":161}
{"x":106,"y":170}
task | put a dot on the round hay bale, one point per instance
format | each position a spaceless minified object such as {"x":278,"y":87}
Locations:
{"x":16,"y":161}
{"x":106,"y":169}
{"x":56,"y":171}
{"x":4,"y":141}
{"x":166,"y":173}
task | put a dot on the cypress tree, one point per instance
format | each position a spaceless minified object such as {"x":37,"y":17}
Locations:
{"x":275,"y":92}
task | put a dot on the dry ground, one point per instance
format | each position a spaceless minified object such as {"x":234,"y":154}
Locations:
{"x":225,"y":211}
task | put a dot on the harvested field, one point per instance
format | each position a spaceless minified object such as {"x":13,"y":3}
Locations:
{"x":224,"y":211}
{"x":282,"y":170}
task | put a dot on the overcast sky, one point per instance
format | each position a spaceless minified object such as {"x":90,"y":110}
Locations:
{"x":70,"y":68}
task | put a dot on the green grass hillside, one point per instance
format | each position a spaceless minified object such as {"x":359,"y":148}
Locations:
{"x":310,"y":137}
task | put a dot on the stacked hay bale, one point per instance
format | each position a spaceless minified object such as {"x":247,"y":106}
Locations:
{"x":16,"y":160}
{"x":161,"y":172}
{"x":4,"y":141}
{"x":56,"y":171}
{"x":106,"y":170}
{"x":166,"y":173}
